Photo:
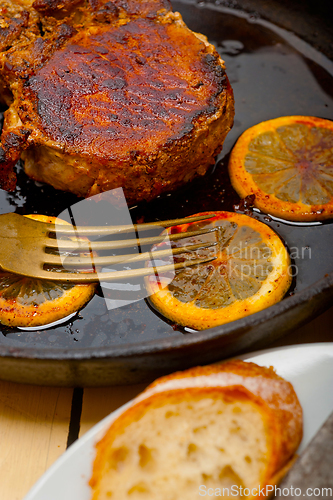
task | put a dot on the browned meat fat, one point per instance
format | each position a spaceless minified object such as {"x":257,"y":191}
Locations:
{"x":113,"y":95}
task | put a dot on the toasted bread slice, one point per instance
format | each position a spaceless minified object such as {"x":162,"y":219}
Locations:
{"x":221,"y":430}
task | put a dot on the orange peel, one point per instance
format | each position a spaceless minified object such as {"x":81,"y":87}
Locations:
{"x":251,"y":271}
{"x":287,"y":163}
{"x":28,"y":302}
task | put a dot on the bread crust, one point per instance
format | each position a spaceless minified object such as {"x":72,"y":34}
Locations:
{"x":234,"y":381}
{"x":263,"y":382}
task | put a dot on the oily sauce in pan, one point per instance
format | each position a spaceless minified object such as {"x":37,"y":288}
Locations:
{"x":273,"y":74}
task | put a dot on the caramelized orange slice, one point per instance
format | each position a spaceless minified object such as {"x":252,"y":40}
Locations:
{"x":28,"y":302}
{"x":251,"y":271}
{"x":287,"y":163}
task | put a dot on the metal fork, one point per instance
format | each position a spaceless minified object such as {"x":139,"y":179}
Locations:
{"x":37,"y":249}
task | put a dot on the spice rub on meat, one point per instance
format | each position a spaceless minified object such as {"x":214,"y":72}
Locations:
{"x":107,"y":95}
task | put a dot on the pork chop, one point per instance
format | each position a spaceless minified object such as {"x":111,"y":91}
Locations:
{"x":107,"y":95}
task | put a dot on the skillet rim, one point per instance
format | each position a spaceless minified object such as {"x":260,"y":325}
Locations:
{"x":267,"y":316}
{"x":166,"y":345}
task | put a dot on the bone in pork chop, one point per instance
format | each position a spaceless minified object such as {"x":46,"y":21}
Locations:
{"x":107,"y":95}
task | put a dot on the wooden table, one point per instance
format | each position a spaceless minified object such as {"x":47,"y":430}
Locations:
{"x":37,"y":424}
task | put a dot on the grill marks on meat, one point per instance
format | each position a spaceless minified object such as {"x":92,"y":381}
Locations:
{"x":115,"y":94}
{"x":106,"y":89}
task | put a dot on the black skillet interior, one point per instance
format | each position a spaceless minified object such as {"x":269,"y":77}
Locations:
{"x":273,"y":73}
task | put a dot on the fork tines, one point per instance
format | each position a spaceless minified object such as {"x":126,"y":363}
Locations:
{"x":80,"y":245}
{"x":108,"y":230}
{"x":71,"y":259}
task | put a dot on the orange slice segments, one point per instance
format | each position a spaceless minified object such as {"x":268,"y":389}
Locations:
{"x":28,"y":302}
{"x":251,"y":271}
{"x":287,"y":163}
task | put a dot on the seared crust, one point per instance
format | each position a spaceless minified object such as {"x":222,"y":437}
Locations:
{"x":139,"y":101}
{"x":11,"y":28}
{"x":95,"y":97}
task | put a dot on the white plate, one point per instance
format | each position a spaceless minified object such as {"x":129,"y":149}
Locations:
{"x":308,"y":367}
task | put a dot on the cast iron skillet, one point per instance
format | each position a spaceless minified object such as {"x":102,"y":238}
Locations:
{"x":279,"y":60}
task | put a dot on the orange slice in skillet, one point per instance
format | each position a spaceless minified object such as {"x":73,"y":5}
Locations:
{"x":251,"y":271}
{"x":287,"y":163}
{"x":28,"y":302}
